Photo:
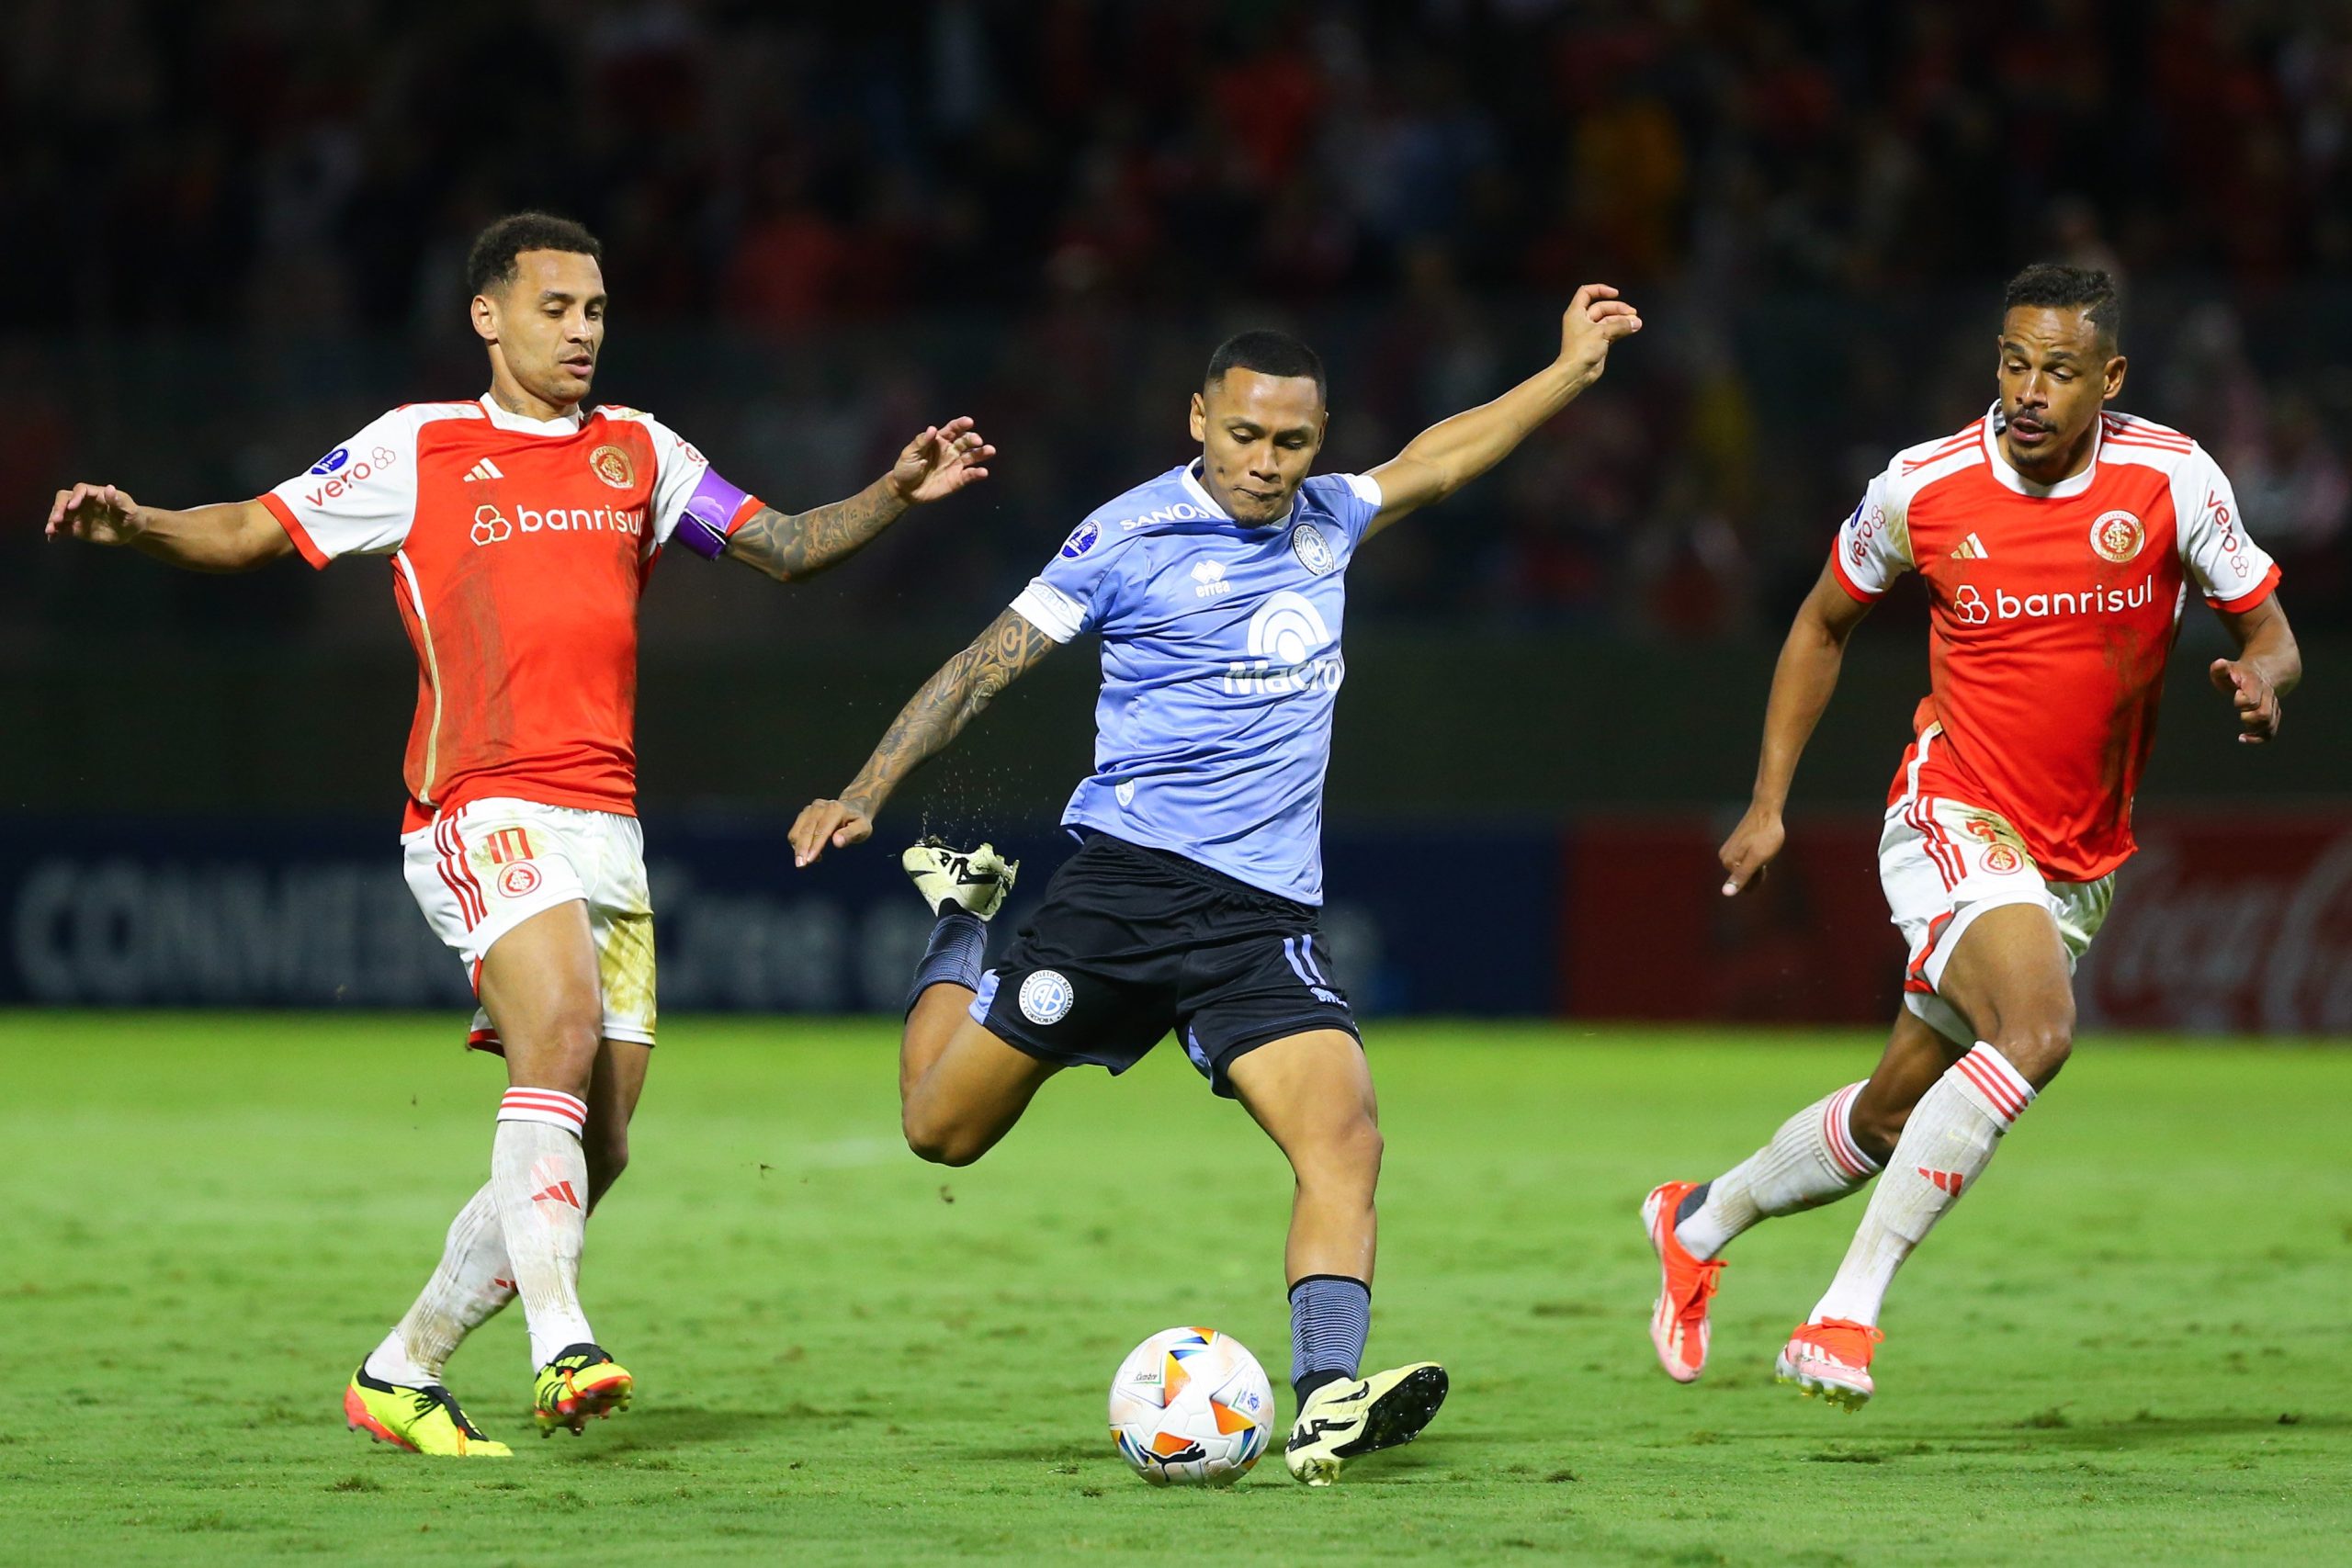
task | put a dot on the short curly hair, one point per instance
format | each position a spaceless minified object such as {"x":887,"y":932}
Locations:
{"x":2056,"y":287}
{"x":490,"y":264}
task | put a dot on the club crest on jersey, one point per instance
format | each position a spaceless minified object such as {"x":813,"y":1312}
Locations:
{"x":611,"y":464}
{"x":1081,"y":539}
{"x":1045,"y":997}
{"x":2118,"y":537}
{"x":1306,"y":542}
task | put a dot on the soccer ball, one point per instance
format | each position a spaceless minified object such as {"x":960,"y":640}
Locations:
{"x":1191,"y":1408}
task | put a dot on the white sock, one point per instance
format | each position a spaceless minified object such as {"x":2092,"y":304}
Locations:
{"x":472,"y":1284}
{"x":1811,"y":1160}
{"x":1944,"y":1149}
{"x":540,"y":1178}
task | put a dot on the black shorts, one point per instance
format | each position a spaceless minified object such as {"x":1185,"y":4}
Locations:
{"x":1133,"y":942}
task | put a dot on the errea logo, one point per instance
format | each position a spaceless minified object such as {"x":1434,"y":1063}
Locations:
{"x":1210,"y":575}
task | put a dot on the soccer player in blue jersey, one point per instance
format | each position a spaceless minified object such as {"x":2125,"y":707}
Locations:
{"x":1192,"y":904}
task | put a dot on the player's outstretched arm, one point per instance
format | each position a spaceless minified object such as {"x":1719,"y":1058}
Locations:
{"x":935,"y":465}
{"x":2267,"y":668}
{"x":932,"y":718}
{"x":1452,"y":452}
{"x":235,"y":536}
{"x":1801,"y":682}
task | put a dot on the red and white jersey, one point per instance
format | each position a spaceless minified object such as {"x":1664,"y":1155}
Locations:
{"x":2054,"y":608}
{"x":519,"y":547}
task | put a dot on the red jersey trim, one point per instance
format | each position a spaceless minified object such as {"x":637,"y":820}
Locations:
{"x":1853,"y":589}
{"x":2252,"y":596}
{"x":294,"y":531}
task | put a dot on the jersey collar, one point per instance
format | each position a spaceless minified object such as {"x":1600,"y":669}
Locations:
{"x":2013,"y":481}
{"x":562,"y":424}
{"x":1200,"y":494}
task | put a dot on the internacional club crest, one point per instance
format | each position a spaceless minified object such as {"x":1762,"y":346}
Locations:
{"x":611,"y":464}
{"x":2118,"y":537}
{"x":1045,"y":997}
{"x":1314,"y":553}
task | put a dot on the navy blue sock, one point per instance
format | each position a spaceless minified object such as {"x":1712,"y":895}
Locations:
{"x":1329,"y":1316}
{"x":957,"y":944}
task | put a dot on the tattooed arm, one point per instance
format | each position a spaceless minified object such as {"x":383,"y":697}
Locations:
{"x":787,"y":546}
{"x":932,"y":718}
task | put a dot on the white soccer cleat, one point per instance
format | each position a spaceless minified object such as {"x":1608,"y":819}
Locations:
{"x":974,"y":881}
{"x":1830,"y":1361}
{"x":1358,"y":1416}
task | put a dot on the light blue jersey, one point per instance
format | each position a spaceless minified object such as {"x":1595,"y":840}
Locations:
{"x":1220,"y":670}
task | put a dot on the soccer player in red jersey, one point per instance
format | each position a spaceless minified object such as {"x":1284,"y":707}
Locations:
{"x":521,"y":527}
{"x":2058,"y":542}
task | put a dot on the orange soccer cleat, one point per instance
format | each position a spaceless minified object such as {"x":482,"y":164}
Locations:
{"x":1678,"y":1321}
{"x":1830,"y":1361}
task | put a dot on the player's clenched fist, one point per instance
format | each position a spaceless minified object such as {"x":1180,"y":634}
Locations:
{"x":1750,"y":848}
{"x":101,"y":513}
{"x":2243,"y":681}
{"x":827,"y":824}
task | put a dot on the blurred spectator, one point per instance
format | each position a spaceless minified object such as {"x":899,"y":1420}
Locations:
{"x":1055,"y":208}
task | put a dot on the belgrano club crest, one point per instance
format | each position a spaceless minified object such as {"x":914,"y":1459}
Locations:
{"x":2118,"y":537}
{"x":611,"y":464}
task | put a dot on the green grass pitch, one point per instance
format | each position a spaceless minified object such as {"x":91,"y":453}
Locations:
{"x":2128,"y":1346}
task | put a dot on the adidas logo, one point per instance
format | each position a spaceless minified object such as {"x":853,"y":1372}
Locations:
{"x":485,"y":469}
{"x":561,"y":1192}
{"x":1971,"y":548}
{"x":1944,"y":1180}
{"x":1210,"y":575}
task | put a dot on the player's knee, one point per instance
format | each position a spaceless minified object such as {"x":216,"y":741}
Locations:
{"x":2039,"y":1046}
{"x":1350,"y":1152}
{"x":941,"y":1139}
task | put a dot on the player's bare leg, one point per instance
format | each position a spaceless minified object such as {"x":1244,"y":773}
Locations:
{"x":969,"y":1094}
{"x":541,"y":987}
{"x":2008,"y":975}
{"x":1312,"y":1093}
{"x":1827,"y":1151}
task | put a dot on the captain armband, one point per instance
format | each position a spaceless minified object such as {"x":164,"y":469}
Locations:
{"x":713,"y":512}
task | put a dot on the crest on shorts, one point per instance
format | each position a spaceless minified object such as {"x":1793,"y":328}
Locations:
{"x":519,"y":880}
{"x":2118,"y":537}
{"x":1045,"y":997}
{"x":2001,"y":859}
{"x":611,"y":464}
{"x":1306,"y":542}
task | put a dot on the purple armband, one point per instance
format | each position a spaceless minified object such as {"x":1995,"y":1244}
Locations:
{"x":710,"y":515}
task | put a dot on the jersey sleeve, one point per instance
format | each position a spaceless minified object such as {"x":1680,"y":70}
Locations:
{"x":2234,"y":572}
{"x":692,"y":504}
{"x":361,"y":499}
{"x":1079,"y":587}
{"x":1873,"y":543}
{"x":1354,"y":499}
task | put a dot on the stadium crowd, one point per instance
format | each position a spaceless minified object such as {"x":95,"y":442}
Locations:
{"x":1045,"y":213}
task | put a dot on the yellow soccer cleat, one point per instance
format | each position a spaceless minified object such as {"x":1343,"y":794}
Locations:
{"x":581,"y":1384}
{"x":1358,"y":1416}
{"x":424,"y":1420}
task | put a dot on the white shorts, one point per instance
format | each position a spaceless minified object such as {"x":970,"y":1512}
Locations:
{"x":1942,"y":865}
{"x":485,"y":868}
